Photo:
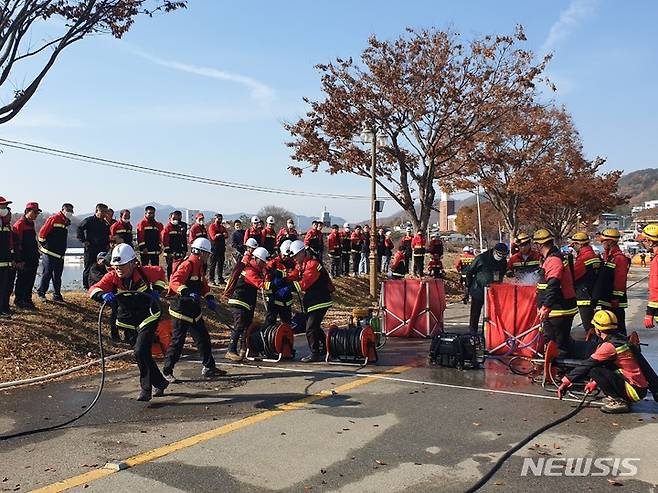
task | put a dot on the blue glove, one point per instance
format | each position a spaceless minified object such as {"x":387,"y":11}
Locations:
{"x":195,"y":297}
{"x":108,"y":297}
{"x":212,"y":304}
{"x":283,"y":292}
{"x":155,"y":296}
{"x":277,"y":282}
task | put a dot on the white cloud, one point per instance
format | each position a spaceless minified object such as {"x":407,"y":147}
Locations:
{"x":570,"y":18}
{"x":259,"y":91}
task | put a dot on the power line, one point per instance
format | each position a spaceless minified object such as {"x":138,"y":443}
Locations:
{"x":166,"y":173}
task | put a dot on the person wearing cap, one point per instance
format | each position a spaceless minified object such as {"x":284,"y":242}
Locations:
{"x":356,"y":243}
{"x":334,"y":249}
{"x":136,"y":290}
{"x":173,"y":240}
{"x":269,"y":236}
{"x":314,"y":283}
{"x":526,"y":260}
{"x":7,"y":258}
{"x":313,"y":239}
{"x":650,"y":239}
{"x":389,"y":246}
{"x":462,"y":265}
{"x":613,"y":367}
{"x":419,"y":244}
{"x":255,"y":231}
{"x":217,"y":234}
{"x":346,"y":249}
{"x":556,"y":295}
{"x":26,"y":250}
{"x":242,"y":302}
{"x":121,"y":231}
{"x":407,"y":241}
{"x":94,"y":234}
{"x":586,"y":268}
{"x":610,"y":286}
{"x":188,"y":284}
{"x":287,"y":233}
{"x":198,"y":229}
{"x":52,"y":240}
{"x":487,"y":268}
{"x":149,"y":237}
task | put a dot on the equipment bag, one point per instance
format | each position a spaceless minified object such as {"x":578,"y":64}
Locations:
{"x":454,"y":350}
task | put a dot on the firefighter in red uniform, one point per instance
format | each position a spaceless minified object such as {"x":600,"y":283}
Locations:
{"x":650,"y":233}
{"x":556,"y":297}
{"x":280,"y":275}
{"x":269,"y":236}
{"x":334,"y":249}
{"x":136,"y":290}
{"x":435,"y":246}
{"x":525,"y":261}
{"x":610,"y":287}
{"x":462,"y":264}
{"x":242,"y":302}
{"x":122,"y":229}
{"x":149,"y":237}
{"x":255,"y":231}
{"x":52,"y":243}
{"x":27,"y":256}
{"x":585,"y":271}
{"x":6,"y":257}
{"x":418,"y":244}
{"x":435,"y":267}
{"x":356,"y":242}
{"x":399,"y":266}
{"x":313,"y":239}
{"x":217,"y":234}
{"x":407,"y":240}
{"x":315,"y":284}
{"x":198,"y":229}
{"x":188,"y":284}
{"x":287,"y":233}
{"x":613,"y":367}
{"x":173,"y":241}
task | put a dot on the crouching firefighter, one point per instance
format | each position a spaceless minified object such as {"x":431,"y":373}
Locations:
{"x":613,"y":367}
{"x":243,"y":293}
{"x":136,"y":290}
{"x":188,"y":284}
{"x":314,"y":281}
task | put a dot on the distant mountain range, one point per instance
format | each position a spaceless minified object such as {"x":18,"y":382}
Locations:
{"x":640,"y":186}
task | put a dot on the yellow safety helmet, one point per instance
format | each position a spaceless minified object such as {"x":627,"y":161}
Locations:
{"x":542,"y":236}
{"x":580,"y":237}
{"x":610,"y":234}
{"x":650,"y":232}
{"x":605,"y":320}
{"x":522,"y":239}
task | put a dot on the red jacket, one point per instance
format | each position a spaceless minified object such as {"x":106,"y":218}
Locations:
{"x":148,"y":236}
{"x":555,"y":289}
{"x":26,"y":247}
{"x":246,"y":289}
{"x":464,"y":261}
{"x":313,"y":239}
{"x":616,"y":259}
{"x":189,"y":276}
{"x":286,"y":234}
{"x":316,"y":285}
{"x":216,"y":230}
{"x":196,"y":231}
{"x":256,"y":233}
{"x":173,"y":241}
{"x":406,"y":241}
{"x":652,"y":305}
{"x":435,"y":247}
{"x":418,"y":245}
{"x":356,"y":239}
{"x":125,"y":230}
{"x":333,"y":244}
{"x":388,"y":244}
{"x":53,"y":235}
{"x":517,"y":264}
{"x":399,"y":266}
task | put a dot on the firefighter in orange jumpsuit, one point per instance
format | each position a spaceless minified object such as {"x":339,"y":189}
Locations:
{"x":525,"y":260}
{"x":462,"y":265}
{"x":585,"y":271}
{"x":418,"y":245}
{"x":334,"y":249}
{"x":399,"y":266}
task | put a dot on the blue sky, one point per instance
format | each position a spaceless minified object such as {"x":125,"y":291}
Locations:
{"x":204,"y":91}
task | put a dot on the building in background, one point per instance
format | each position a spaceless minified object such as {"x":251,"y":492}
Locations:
{"x":447,"y":213}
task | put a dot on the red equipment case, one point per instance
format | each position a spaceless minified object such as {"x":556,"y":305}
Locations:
{"x":412,"y":307}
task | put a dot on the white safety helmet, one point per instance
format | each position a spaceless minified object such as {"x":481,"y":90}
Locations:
{"x":261,"y":254}
{"x":409,"y":230}
{"x":255,"y":219}
{"x":270,"y":220}
{"x":201,"y":245}
{"x":251,"y":243}
{"x":296,"y":247}
{"x":285,"y":247}
{"x":388,"y":233}
{"x":346,"y":225}
{"x":468,"y":249}
{"x":122,"y":254}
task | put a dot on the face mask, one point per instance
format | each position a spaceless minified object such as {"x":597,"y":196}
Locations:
{"x":68,"y":215}
{"x":174,"y":222}
{"x":497,"y":256}
{"x":4,"y":211}
{"x":199,"y":221}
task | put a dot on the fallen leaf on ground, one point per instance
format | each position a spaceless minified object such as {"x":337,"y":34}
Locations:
{"x":614,"y":482}
{"x":380,"y":462}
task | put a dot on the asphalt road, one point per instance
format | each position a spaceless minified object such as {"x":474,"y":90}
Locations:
{"x":398,"y":426}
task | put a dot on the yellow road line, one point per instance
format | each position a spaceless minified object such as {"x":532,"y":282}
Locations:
{"x":159,"y":452}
